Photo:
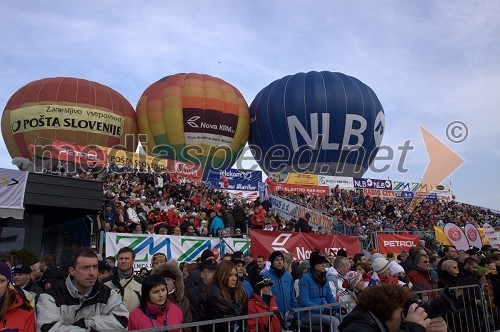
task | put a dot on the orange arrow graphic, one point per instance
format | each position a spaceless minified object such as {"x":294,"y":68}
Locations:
{"x":442,"y":162}
{"x":4,"y":181}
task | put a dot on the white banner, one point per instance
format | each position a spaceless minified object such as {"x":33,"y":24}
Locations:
{"x":343,"y":182}
{"x":12,"y":188}
{"x":181,"y":248}
{"x":492,"y":236}
{"x":289,"y":210}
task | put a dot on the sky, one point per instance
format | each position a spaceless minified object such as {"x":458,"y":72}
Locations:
{"x":429,"y":62}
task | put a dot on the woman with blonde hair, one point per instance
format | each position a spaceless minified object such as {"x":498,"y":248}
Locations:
{"x":227,"y":297}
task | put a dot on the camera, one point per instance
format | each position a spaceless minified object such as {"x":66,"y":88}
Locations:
{"x":445,"y":302}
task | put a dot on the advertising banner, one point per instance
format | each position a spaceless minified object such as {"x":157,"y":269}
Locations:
{"x":176,"y":169}
{"x":12,"y":188}
{"x":372,"y":183}
{"x":443,"y":239}
{"x":181,"y":248}
{"x":492,"y":236}
{"x":379,"y":193}
{"x":302,"y":179}
{"x":396,"y":243}
{"x":288,"y":210}
{"x":79,"y":154}
{"x":473,"y":236}
{"x":74,"y":118}
{"x":343,"y":182}
{"x":456,"y":236}
{"x":234,"y":179}
{"x":300,"y":245}
{"x":299,"y":189}
{"x":417,"y":186}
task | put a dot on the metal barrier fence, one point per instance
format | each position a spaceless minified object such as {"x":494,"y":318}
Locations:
{"x":479,"y":315}
{"x":474,"y":317}
{"x":221,"y":324}
{"x":491,"y":309}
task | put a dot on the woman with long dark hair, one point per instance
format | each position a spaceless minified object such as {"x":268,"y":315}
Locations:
{"x":227,"y":297}
{"x":155,"y":309}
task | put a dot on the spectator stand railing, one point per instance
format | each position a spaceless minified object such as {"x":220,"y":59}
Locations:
{"x":218,"y":325}
{"x":474,"y":318}
{"x":479,"y":315}
{"x":492,"y":310}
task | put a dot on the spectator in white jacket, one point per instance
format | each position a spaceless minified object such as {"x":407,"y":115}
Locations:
{"x":335,"y":275}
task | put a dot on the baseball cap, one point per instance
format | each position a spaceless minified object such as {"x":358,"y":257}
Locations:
{"x":22,"y":268}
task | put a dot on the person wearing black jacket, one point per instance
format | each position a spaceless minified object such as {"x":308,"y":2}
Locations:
{"x":198,"y":296}
{"x":194,"y":278}
{"x":303,"y":224}
{"x":227,"y":297}
{"x":239,"y":217}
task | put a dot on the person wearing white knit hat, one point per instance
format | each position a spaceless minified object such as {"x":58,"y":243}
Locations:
{"x":396,"y":269}
{"x":381,"y":273}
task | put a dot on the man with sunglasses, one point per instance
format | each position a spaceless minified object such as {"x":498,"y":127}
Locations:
{"x":420,"y":275}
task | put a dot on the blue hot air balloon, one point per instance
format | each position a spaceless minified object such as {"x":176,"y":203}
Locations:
{"x":316,"y":122}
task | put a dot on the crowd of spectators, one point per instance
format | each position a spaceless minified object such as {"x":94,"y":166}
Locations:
{"x":154,"y":203}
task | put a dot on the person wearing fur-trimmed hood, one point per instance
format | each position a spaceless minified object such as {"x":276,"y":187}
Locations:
{"x":175,"y":286}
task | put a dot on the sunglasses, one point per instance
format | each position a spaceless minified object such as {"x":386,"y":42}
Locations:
{"x":265,"y":281}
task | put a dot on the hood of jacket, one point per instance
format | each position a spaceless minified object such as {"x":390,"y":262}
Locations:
{"x":173,"y":267}
{"x":90,"y":293}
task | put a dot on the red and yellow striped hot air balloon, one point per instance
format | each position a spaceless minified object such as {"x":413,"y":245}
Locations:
{"x":70,"y":110}
{"x":194,"y":117}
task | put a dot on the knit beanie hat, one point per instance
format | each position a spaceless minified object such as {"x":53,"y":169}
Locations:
{"x":342,"y":252}
{"x":375,"y":256}
{"x":259,"y":282}
{"x":206,"y":254}
{"x":395,"y":268}
{"x":5,"y":270}
{"x":352,"y":278}
{"x":317,"y":257}
{"x":275,"y":255}
{"x":380,"y":264}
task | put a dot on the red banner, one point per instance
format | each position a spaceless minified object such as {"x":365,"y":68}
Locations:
{"x":79,"y":154}
{"x":297,"y":188}
{"x":396,"y":243}
{"x":300,"y":245}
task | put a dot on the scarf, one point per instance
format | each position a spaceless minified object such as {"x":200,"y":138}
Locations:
{"x":319,"y":277}
{"x":124,"y":276}
{"x":279,"y":272}
{"x":267,"y":299}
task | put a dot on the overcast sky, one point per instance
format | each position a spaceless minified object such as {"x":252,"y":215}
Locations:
{"x":429,"y":62}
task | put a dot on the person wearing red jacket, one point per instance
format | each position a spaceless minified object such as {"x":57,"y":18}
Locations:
{"x":258,"y":217}
{"x":261,"y":301}
{"x":16,"y":314}
{"x":420,"y":275}
{"x":155,"y":309}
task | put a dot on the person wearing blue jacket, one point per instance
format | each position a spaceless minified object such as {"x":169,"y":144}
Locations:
{"x":216,"y":224}
{"x":314,"y":290}
{"x":283,"y":283}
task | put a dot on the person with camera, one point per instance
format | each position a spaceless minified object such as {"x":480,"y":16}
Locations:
{"x":382,"y":309}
